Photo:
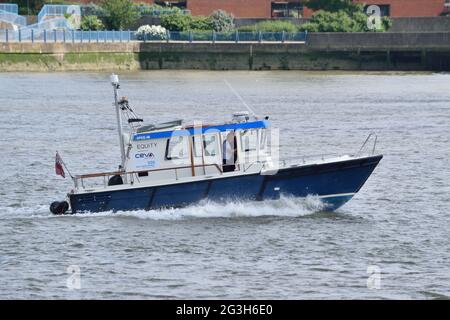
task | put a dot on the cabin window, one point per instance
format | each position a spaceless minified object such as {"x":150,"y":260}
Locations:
{"x":177,"y":148}
{"x":249,"y":139}
{"x":210,"y":145}
{"x":263,"y":139}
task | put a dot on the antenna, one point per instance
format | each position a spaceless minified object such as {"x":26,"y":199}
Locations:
{"x":240,"y":99}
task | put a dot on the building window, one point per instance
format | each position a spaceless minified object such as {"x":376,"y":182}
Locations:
{"x":385,"y":9}
{"x":172,"y":3}
{"x":287,"y":9}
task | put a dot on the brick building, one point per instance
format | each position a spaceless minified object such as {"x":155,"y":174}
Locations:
{"x":295,"y":8}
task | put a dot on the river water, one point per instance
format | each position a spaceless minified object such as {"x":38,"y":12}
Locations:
{"x":390,"y":242}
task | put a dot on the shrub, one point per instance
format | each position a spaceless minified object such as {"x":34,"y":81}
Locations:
{"x":119,"y":13}
{"x":331,"y":5}
{"x":151,"y":32}
{"x":185,"y":22}
{"x":222,"y":21}
{"x":176,"y":22}
{"x":157,"y":10}
{"x":200,"y":23}
{"x":92,"y":9}
{"x":341,"y":21}
{"x":91,"y":23}
{"x":270,"y":26}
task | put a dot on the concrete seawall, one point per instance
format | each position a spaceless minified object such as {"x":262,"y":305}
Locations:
{"x":323,"y":51}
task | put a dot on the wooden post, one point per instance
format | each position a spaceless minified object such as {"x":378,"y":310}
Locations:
{"x":191,"y":154}
{"x":202,"y":144}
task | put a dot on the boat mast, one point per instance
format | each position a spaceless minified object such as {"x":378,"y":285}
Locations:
{"x":115,"y":83}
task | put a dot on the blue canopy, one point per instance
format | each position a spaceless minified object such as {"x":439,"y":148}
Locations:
{"x":201,"y":130}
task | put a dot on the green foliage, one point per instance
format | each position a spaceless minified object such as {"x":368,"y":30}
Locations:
{"x":341,"y":21}
{"x":222,"y":21}
{"x":387,"y":23}
{"x":270,"y":26}
{"x":33,"y":7}
{"x":332,"y":5}
{"x":176,"y":22}
{"x":28,"y":7}
{"x":219,"y":21}
{"x":91,"y":23}
{"x":340,"y":16}
{"x":200,"y":23}
{"x":119,"y":13}
{"x":157,"y":10}
{"x":92,"y":9}
{"x":186,"y":22}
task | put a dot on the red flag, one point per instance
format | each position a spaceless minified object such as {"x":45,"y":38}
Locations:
{"x":59,"y":166}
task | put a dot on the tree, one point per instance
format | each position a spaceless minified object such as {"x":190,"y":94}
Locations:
{"x":91,"y":23}
{"x":222,"y":21}
{"x":28,"y":7}
{"x":92,"y":9}
{"x":341,"y":21}
{"x":200,"y":23}
{"x":340,"y":16}
{"x":176,"y":21}
{"x":332,"y":5}
{"x":119,"y":14}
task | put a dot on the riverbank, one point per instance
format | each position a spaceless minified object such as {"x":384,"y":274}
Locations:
{"x":324,"y":51}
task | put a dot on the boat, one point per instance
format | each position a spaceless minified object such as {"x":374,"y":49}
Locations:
{"x":173,"y":164}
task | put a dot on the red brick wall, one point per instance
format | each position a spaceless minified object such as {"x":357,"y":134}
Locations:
{"x":239,"y":8}
{"x":411,"y":8}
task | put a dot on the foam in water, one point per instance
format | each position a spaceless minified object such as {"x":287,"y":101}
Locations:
{"x":286,"y":206}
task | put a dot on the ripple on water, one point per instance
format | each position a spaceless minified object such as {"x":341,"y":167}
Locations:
{"x":273,"y":249}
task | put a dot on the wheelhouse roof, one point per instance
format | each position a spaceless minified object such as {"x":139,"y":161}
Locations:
{"x":189,"y":131}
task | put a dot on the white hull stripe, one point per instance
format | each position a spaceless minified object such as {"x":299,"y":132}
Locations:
{"x":337,"y":195}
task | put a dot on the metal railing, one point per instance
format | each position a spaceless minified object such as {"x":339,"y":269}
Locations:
{"x":62,"y":33}
{"x":10,"y":7}
{"x":309,"y":159}
{"x":327,"y":156}
{"x":13,"y":18}
{"x":374,"y":137}
{"x":133,"y":176}
{"x":150,"y":11}
{"x":55,"y":10}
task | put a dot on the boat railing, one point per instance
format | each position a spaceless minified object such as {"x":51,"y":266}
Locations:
{"x":305,"y":159}
{"x":133,"y":176}
{"x":373,"y":136}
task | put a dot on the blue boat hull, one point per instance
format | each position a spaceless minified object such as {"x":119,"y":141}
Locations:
{"x":335,"y":183}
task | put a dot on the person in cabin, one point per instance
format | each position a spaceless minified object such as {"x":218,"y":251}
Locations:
{"x":229,"y":152}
